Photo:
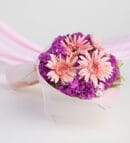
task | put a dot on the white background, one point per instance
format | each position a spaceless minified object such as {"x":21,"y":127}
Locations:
{"x":21,"y":113}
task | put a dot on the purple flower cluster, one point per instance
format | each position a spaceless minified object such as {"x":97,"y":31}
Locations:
{"x":78,"y":87}
{"x":115,"y":74}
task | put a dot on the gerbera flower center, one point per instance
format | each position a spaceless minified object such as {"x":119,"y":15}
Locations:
{"x":73,"y":48}
{"x":62,"y":68}
{"x":94,"y":67}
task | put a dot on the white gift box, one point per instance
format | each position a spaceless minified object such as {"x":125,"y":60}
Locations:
{"x":61,"y":107}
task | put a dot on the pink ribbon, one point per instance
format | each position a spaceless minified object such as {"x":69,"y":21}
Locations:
{"x":120,"y":47}
{"x":15,"y":46}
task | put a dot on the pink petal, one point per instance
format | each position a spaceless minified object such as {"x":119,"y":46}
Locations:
{"x":53,"y":76}
{"x":50,"y":65}
{"x":87,"y":76}
{"x":101,"y":77}
{"x":81,"y":39}
{"x":72,"y":73}
{"x":67,"y":78}
{"x":75,"y":38}
{"x":95,"y":54}
{"x":63,"y":44}
{"x":83,"y":72}
{"x":104,"y":59}
{"x":74,"y":60}
{"x":53,"y":58}
{"x":82,"y":58}
{"x":94,"y":80}
{"x":87,"y":55}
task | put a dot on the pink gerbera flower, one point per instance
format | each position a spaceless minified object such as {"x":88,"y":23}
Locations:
{"x":95,"y":43}
{"x":61,"y":69}
{"x":98,"y":45}
{"x":95,"y":67}
{"x":76,"y":45}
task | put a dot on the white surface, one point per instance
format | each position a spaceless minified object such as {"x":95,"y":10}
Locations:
{"x":21,"y":113}
{"x":22,"y":118}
